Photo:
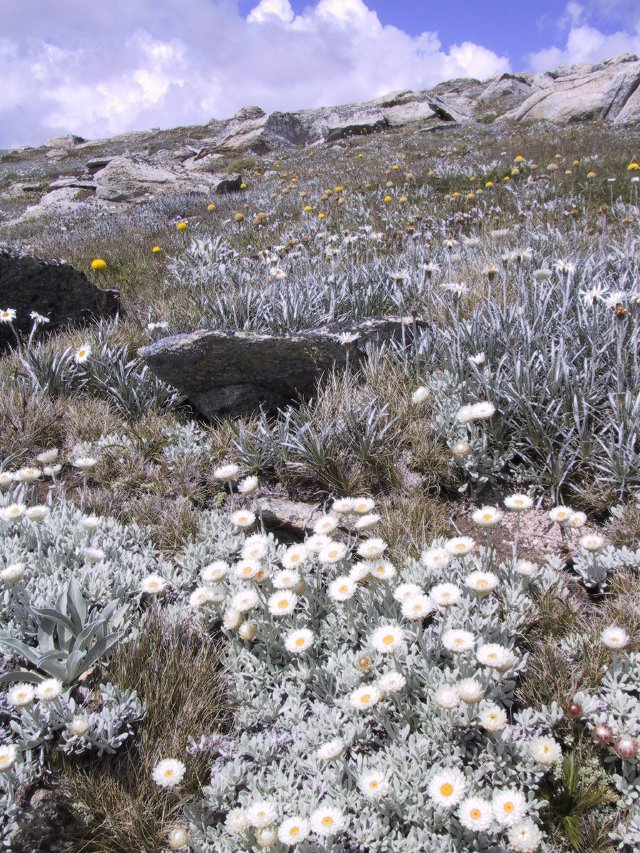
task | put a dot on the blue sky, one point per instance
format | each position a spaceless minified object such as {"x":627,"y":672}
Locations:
{"x":101,"y":67}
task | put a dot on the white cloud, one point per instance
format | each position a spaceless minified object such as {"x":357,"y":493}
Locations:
{"x":97,"y":69}
{"x":585,"y":42}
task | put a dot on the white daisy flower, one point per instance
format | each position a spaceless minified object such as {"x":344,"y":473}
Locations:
{"x":372,"y":549}
{"x":89,"y":523}
{"x":614,"y":638}
{"x":476,"y":814}
{"x":292,"y":831}
{"x":331,"y":750}
{"x":248,"y":486}
{"x":367,"y":522}
{"x":459,"y":546}
{"x":261,"y":813}
{"x":49,"y":689}
{"x":243,"y":519}
{"x":461,"y":449}
{"x":365,"y":697}
{"x":79,"y":725}
{"x":445,"y":594}
{"x":374,"y":785}
{"x":246,"y":569}
{"x":492,"y":718}
{"x":487,"y":516}
{"x":299,"y":641}
{"x":52,"y":470}
{"x":201,"y":596}
{"x":82,"y":354}
{"x":592,"y":542}
{"x":383,"y":570}
{"x":526,"y":569}
{"x":560,"y":514}
{"x":227,"y":473}
{"x":317,"y":542}
{"x":244,"y":600}
{"x":509,"y":806}
{"x":13,"y":512}
{"x":27,"y":475}
{"x":93,"y":555}
{"x":344,"y":506}
{"x":482,"y":583}
{"x":6,"y":478}
{"x":496,"y":656}
{"x":447,"y":788}
{"x":417,"y":607}
{"x":37,"y":513}
{"x":342,"y":588}
{"x":545,"y":751}
{"x":326,"y":821}
{"x":392,"y":682}
{"x":153,"y":584}
{"x":237,"y":821}
{"x":446,"y":696}
{"x":518,"y":503}
{"x":84,"y":463}
{"x":8,"y":756}
{"x":387,"y":638}
{"x":362,"y":506}
{"x":214,"y":572}
{"x":332,"y":553}
{"x":254,"y":550}
{"x":168,"y":772}
{"x":326,"y":524}
{"x":458,"y":640}
{"x":406,"y":590}
{"x":359,"y":571}
{"x":294,"y":556}
{"x":282,"y":603}
{"x":20,"y":695}
{"x":525,"y":837}
{"x":470,"y":690}
{"x":577,"y":519}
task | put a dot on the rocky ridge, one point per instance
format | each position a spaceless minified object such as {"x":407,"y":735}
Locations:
{"x":134,"y":167}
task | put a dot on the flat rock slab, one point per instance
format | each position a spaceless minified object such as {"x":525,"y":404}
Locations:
{"x":52,"y":288}
{"x":236,"y":373}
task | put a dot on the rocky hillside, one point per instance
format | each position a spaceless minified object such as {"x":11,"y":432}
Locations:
{"x":68,"y":170}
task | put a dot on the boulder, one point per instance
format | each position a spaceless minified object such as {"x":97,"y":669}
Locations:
{"x":356,"y":126}
{"x":51,"y":288}
{"x":124,"y":179}
{"x":583,"y":92}
{"x":233,"y":373}
{"x":68,"y":141}
{"x":452,"y":108}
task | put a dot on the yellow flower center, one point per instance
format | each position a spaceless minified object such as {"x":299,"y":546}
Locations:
{"x":508,"y":807}
{"x":327,"y":821}
{"x":475,"y":814}
{"x":343,"y":589}
{"x":333,"y":554}
{"x":373,"y":784}
{"x":487,"y":516}
{"x":295,"y":558}
{"x":294,"y":831}
{"x":282,"y":603}
{"x":446,"y":790}
{"x":366,"y":697}
{"x":482,"y":583}
{"x":388,"y":639}
{"x":168,"y":774}
{"x":300,"y":642}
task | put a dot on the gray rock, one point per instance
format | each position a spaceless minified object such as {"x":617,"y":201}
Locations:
{"x":230,"y":373}
{"x":98,"y":163}
{"x":47,"y":823}
{"x":228,"y":184}
{"x":584,"y":92}
{"x":356,"y":127}
{"x":68,"y":141}
{"x":452,"y":108}
{"x":52,"y":288}
{"x":293,"y":517}
{"x":124,"y":179}
{"x":246,"y":113}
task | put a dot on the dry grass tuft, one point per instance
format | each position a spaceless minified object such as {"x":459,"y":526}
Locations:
{"x":176,"y":670}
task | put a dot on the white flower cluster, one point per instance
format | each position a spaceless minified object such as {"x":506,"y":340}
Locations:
{"x":354,"y":675}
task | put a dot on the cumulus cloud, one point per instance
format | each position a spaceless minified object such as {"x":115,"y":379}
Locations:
{"x":586,"y":42}
{"x":98,"y":69}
